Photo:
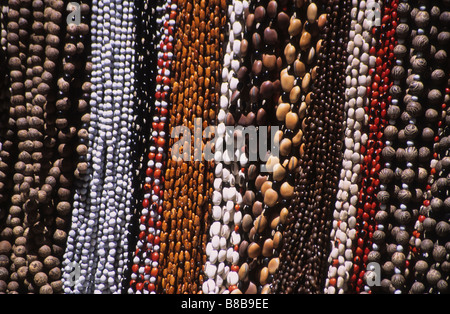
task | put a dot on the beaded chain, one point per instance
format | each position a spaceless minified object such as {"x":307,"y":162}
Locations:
{"x":344,"y":217}
{"x":382,"y":58}
{"x":189,"y":182}
{"x":221,"y":268}
{"x":145,"y":261}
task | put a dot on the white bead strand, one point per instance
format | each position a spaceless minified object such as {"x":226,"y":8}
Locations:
{"x":344,"y":216}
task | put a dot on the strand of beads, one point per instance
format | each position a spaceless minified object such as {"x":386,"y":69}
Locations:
{"x":74,"y":249}
{"x":267,"y":25}
{"x":101,"y":236}
{"x":221,"y":250}
{"x":145,"y":277}
{"x":80,"y":96}
{"x":188,"y":181}
{"x":79,"y":250}
{"x":4,"y":107}
{"x":432,"y":229}
{"x":300,"y":55}
{"x":61,"y":132}
{"x":432,"y":268}
{"x":24,"y":215}
{"x":38,"y":214}
{"x":304,"y":263}
{"x":413,"y":176}
{"x":389,"y":153}
{"x":145,"y":85}
{"x":17,"y":34}
{"x":358,"y":78}
{"x":382,"y":58}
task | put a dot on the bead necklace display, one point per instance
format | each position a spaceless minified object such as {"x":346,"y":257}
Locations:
{"x":189,"y":182}
{"x":358,"y":79}
{"x":98,"y":241}
{"x":129,"y":162}
{"x":222,"y":268}
{"x":147,"y":252}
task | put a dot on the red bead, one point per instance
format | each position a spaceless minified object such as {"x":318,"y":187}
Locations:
{"x":135,"y":268}
{"x":139,"y":286}
{"x":360,"y":242}
{"x":160,"y":142}
{"x":366,"y":217}
{"x":333,"y":282}
{"x":359,"y":252}
{"x":359,"y":282}
{"x":155,"y":256}
{"x":232,"y":287}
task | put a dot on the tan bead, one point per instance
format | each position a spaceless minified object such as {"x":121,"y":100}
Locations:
{"x":279,"y":172}
{"x":291,"y":120}
{"x":312,"y":12}
{"x":295,"y":94}
{"x":290,"y":53}
{"x":295,"y":27}
{"x":253,"y":250}
{"x":282,"y":111}
{"x":270,"y":197}
{"x":297,"y":139}
{"x":277,"y":239}
{"x":287,"y":190}
{"x":267,"y":250}
{"x":305,"y":41}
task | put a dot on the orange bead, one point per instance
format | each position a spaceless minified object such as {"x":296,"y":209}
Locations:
{"x":232,"y":287}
